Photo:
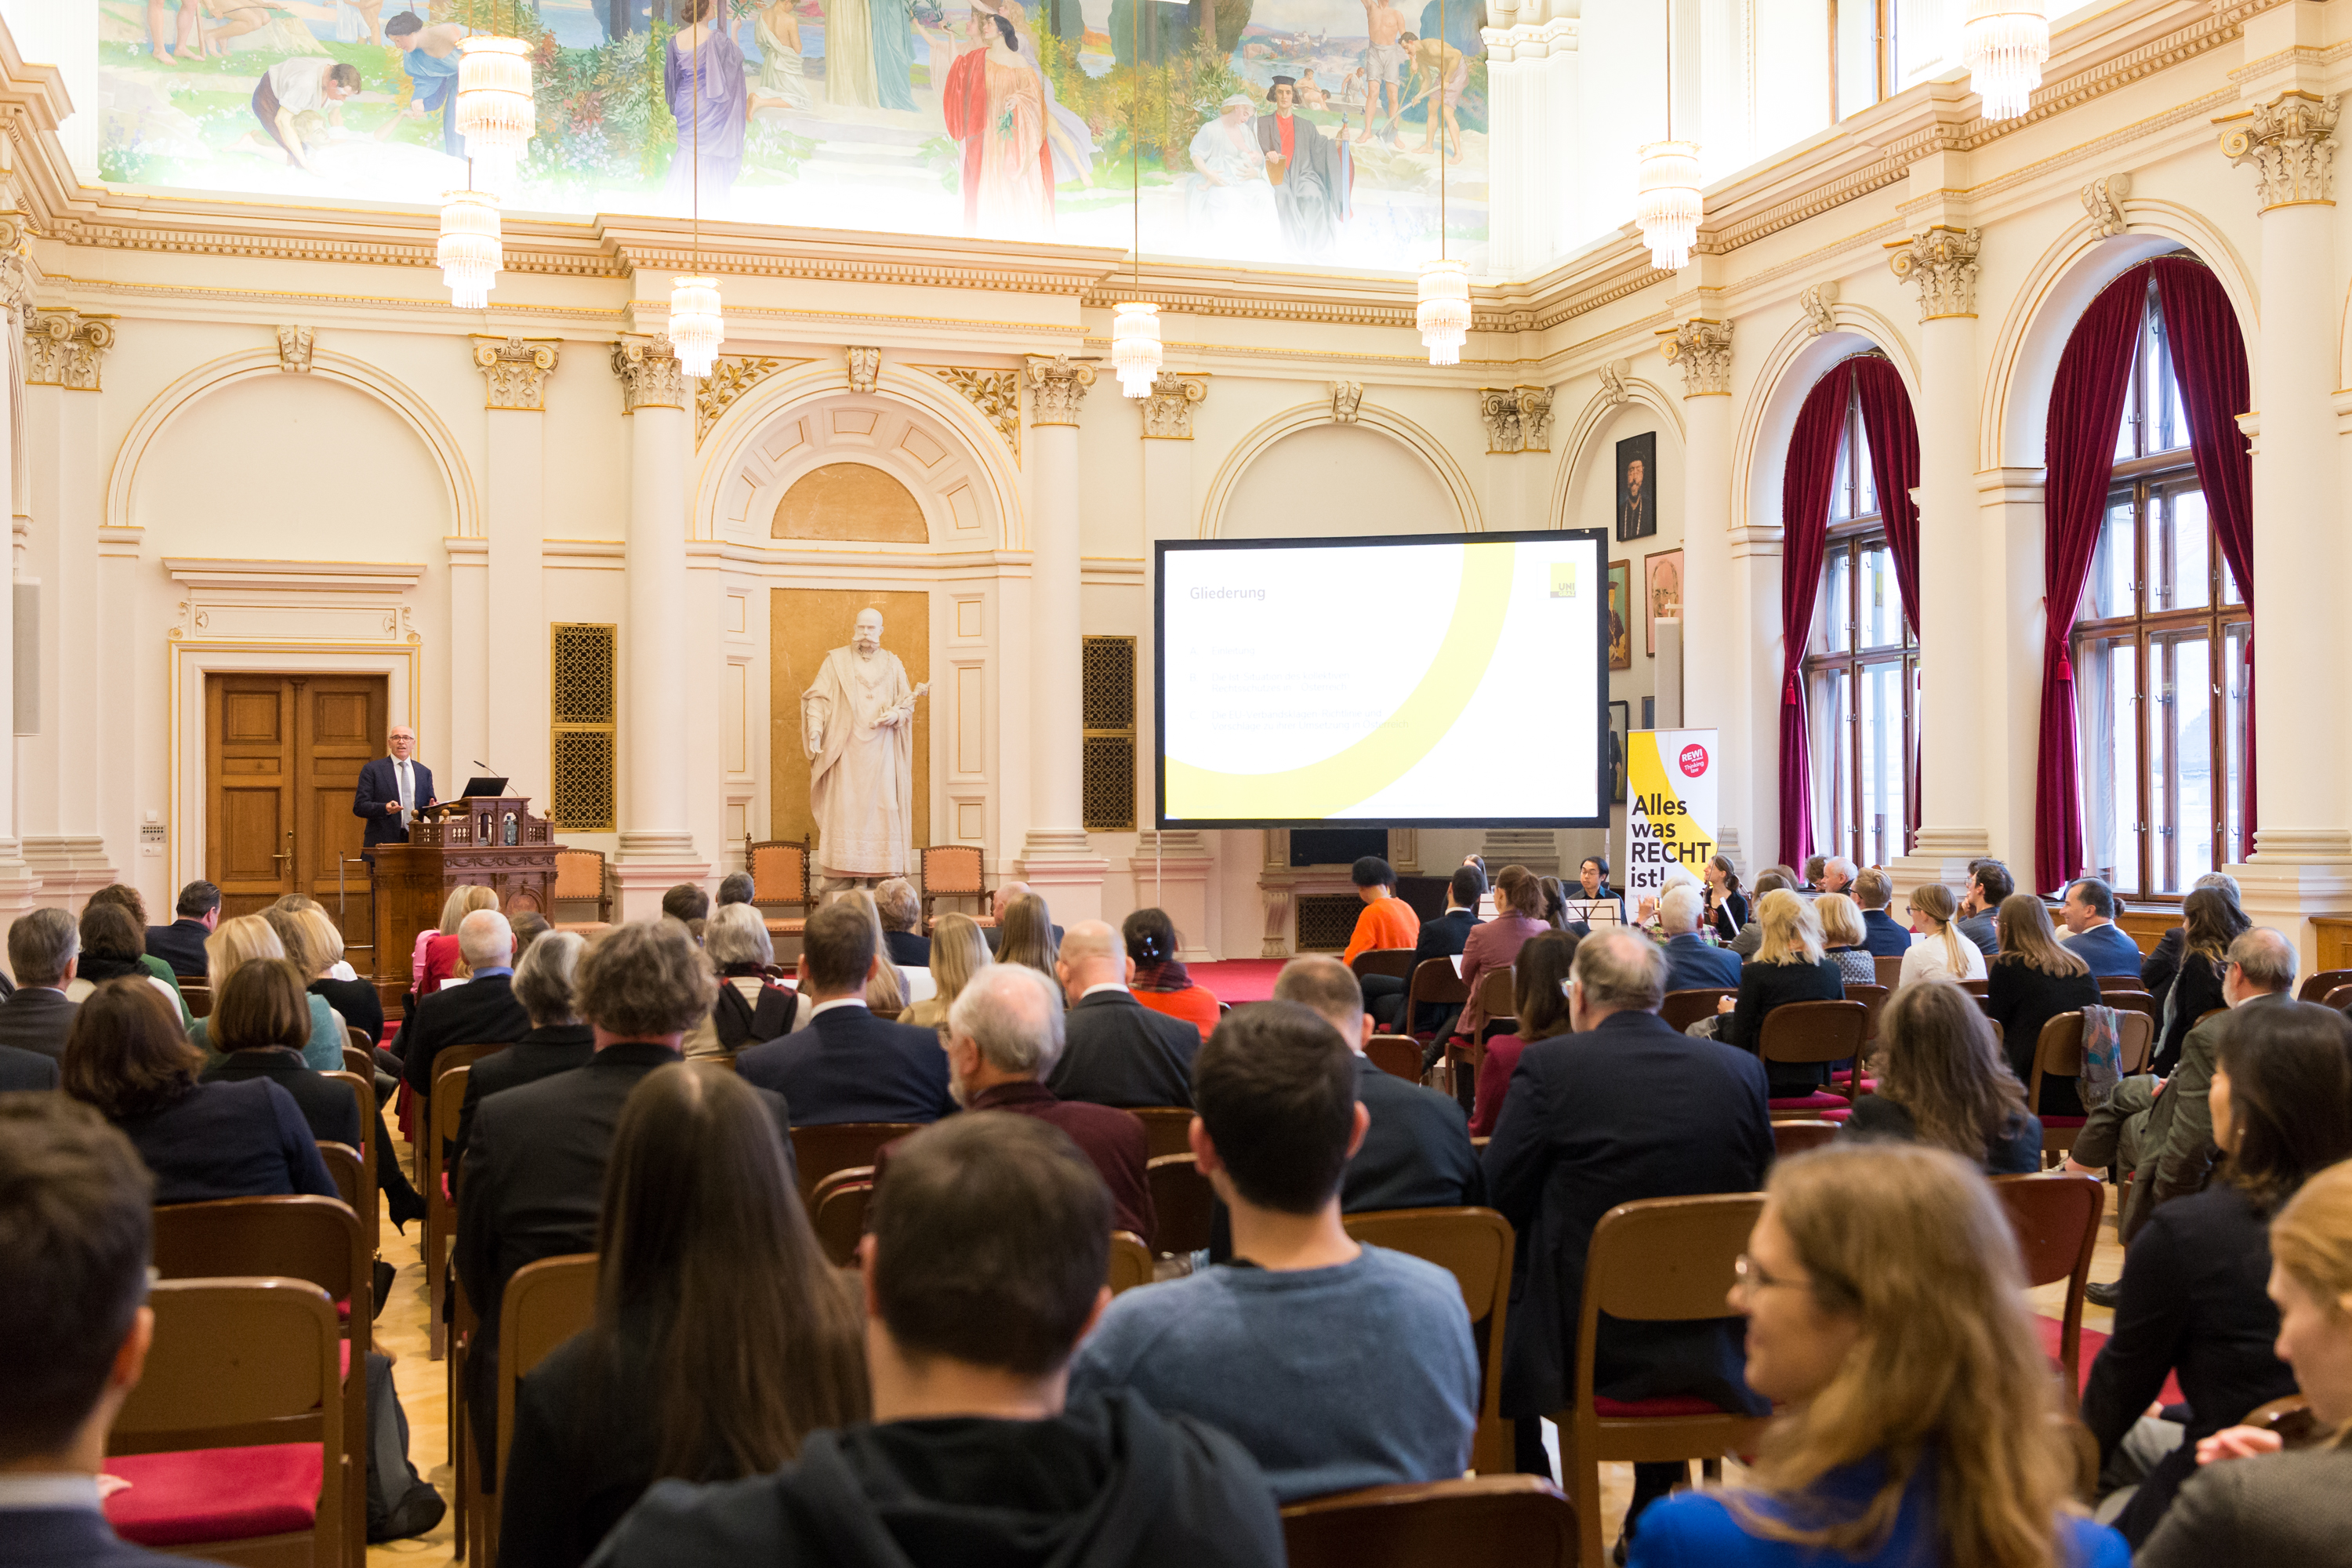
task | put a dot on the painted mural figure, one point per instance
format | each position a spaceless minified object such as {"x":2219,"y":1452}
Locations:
{"x":995,"y":105}
{"x":291,"y":91}
{"x":857,"y":726}
{"x":709,"y":98}
{"x":429,"y":56}
{"x":783,"y":83}
{"x":893,"y":26}
{"x":1384,"y":63}
{"x":1440,"y":69}
{"x":1066,"y":136}
{"x":1311,"y":175}
{"x":1229,"y":185}
{"x":849,"y":55}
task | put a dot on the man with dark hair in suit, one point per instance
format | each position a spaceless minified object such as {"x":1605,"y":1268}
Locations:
{"x":181,"y":945}
{"x":2089,"y":913}
{"x":848,"y":1065}
{"x":1625,"y":1108}
{"x":1988,"y":883}
{"x":1119,"y":1052}
{"x":390,"y":790}
{"x":1873,"y":889}
{"x":483,"y":1011}
{"x":533,"y":1180}
{"x":43,"y":948}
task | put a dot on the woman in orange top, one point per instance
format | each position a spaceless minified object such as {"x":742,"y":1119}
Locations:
{"x":1387,"y":921}
{"x":1160,"y":981}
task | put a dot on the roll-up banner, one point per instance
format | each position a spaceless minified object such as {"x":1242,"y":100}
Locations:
{"x":1669,"y":807}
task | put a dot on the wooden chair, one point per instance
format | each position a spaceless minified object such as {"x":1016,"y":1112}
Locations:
{"x":1658,"y":1261}
{"x":580,"y":879}
{"x":1497,"y":1000}
{"x":1435,"y":983}
{"x":1396,"y":962}
{"x":449,"y":1056}
{"x":356,"y":1039}
{"x":1684,"y":1008}
{"x":837,"y":1212}
{"x":2056,"y":1221}
{"x":2134,"y":1001}
{"x":2059,"y":1054}
{"x":1796,"y":1137}
{"x":1873,"y":997}
{"x":819,"y":1151}
{"x":1521,"y":1520}
{"x":1130,"y":1262}
{"x":780,"y":880}
{"x":240,"y":1364}
{"x":362,"y":1088}
{"x":2340,"y":999}
{"x":547,"y":1303}
{"x":440,"y":1190}
{"x":1890,"y":970}
{"x":300,"y":1236}
{"x":344,"y":1169}
{"x":1811,"y":1032}
{"x":1167,"y":1129}
{"x":199,"y":996}
{"x":1398,"y":1055}
{"x":2120,"y":982}
{"x":359,"y":1058}
{"x":1182,"y":1204}
{"x":1474,"y":1246}
{"x":955,"y":871}
{"x":2317,"y":984}
{"x":1976,"y":987}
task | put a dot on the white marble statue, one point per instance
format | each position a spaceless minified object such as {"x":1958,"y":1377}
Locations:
{"x":857,"y":721}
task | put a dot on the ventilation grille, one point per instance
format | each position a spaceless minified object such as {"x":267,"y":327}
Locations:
{"x":1326,"y":920}
{"x":581,"y":672}
{"x":1108,"y":680}
{"x":582,"y":742}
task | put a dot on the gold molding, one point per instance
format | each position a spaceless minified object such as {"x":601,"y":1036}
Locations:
{"x":995,"y":393}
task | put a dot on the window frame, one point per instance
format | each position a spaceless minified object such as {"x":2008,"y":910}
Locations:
{"x":1883,"y":58}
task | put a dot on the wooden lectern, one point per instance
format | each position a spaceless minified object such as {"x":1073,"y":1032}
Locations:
{"x":490,"y":841}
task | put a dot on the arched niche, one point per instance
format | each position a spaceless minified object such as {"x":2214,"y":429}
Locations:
{"x":871,"y":455}
{"x":850,"y":502}
{"x":1300,"y":475}
{"x":1801,"y":366}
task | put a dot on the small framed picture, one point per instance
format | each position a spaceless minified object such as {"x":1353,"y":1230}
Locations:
{"x":1661,"y":592}
{"x":1621,"y":614}
{"x":1620,"y":727}
{"x":1649,"y":713}
{"x":1637,"y":485}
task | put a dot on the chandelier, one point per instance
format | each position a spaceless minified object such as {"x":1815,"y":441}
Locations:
{"x":696,"y":329}
{"x":1135,"y":347}
{"x":495,"y":114}
{"x":469,"y":252}
{"x":1444,"y":316}
{"x":2005,"y":44}
{"x":1666,"y":207}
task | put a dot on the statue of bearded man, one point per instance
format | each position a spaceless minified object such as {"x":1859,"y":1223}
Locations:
{"x":857,"y":723}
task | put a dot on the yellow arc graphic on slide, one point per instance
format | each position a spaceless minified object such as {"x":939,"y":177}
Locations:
{"x":1362,"y":770}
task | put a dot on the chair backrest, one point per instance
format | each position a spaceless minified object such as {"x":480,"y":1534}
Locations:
{"x":345,"y":1169}
{"x":2056,"y":1219}
{"x":1396,"y":962}
{"x":466,"y":1056}
{"x":1167,"y":1129}
{"x":1522,"y":1520}
{"x":362,"y":1088}
{"x":819,"y":1151}
{"x":1397,"y":1055}
{"x":1666,"y":1259}
{"x":199,"y":996}
{"x":2340,"y":999}
{"x":2059,"y":1052}
{"x":1890,"y":970}
{"x":448,"y":1104}
{"x":1796,"y":1137}
{"x":1182,"y":1203}
{"x":356,"y":1039}
{"x":547,"y":1303}
{"x":780,"y":871}
{"x":1874,"y":998}
{"x":1814,"y":1032}
{"x":1976,"y":987}
{"x":2318,"y":983}
{"x":299,"y":1237}
{"x":1435,"y":982}
{"x":837,"y":1212}
{"x":951,"y":871}
{"x":1473,"y":1245}
{"x":2120,"y":982}
{"x":2132,"y":1001}
{"x":2137,"y":1032}
{"x":1497,"y":997}
{"x":1130,"y":1262}
{"x":1684,"y":1008}
{"x":358,"y":1058}
{"x":579,"y":875}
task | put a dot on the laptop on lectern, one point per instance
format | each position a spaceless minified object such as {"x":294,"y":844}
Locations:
{"x":485,"y":787}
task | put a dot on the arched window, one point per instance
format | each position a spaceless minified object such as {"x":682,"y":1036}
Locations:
{"x":2159,"y":650}
{"x":1862,"y":672}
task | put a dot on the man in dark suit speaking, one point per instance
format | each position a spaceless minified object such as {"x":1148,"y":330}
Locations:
{"x":390,"y":790}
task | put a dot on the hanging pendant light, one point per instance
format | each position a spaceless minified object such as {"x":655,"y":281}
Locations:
{"x":1666,"y":207}
{"x":469,"y":250}
{"x":1135,"y":347}
{"x":494,"y":111}
{"x":2005,"y":44}
{"x":696,"y":328}
{"x":1444,"y":316}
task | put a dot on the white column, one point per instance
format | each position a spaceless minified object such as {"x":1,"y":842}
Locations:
{"x":1056,"y":858}
{"x":1175,"y":870}
{"x":1559,"y":159}
{"x":1715,"y":656}
{"x":18,"y":887}
{"x":658,"y":847}
{"x":514,"y":621}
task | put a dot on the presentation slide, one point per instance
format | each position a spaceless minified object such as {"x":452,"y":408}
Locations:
{"x":1420,"y":681}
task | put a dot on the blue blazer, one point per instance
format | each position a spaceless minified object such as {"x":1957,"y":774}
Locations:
{"x":52,"y":1537}
{"x":241,"y":1140}
{"x":1693,"y":965}
{"x":2107,"y":951}
{"x":850,"y":1065}
{"x":1880,"y":937}
{"x":378,"y":783}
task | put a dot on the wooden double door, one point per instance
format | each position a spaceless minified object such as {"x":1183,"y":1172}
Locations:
{"x":282,"y":757}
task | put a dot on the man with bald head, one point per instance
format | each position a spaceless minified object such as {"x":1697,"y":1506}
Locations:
{"x":1002,"y":900}
{"x":1119,"y":1052}
{"x":481,"y":1011}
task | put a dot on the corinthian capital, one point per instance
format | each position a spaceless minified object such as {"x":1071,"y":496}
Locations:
{"x":65,"y":348}
{"x":514,"y":370}
{"x":1703,"y":348}
{"x":650,"y":374}
{"x":1056,"y":387}
{"x":2290,"y":142}
{"x":1943,"y":262}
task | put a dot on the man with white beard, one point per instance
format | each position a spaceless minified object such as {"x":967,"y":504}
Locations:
{"x":857,"y":724}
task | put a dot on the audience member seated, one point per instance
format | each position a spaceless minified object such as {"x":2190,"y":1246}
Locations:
{"x":722,"y":1339}
{"x":1872,"y":891}
{"x":999,"y":903}
{"x":2210,"y":922}
{"x":735,"y":888}
{"x":260,"y":1021}
{"x":2159,"y":968}
{"x":1622,"y":1109}
{"x":27,"y":1070}
{"x":1693,"y":962}
{"x":2193,"y":1302}
{"x":250,"y":939}
{"x":316,"y":948}
{"x":439,"y":957}
{"x":848,"y":1065}
{"x":74,"y":1224}
{"x":1751,"y":936}
{"x":1386,"y":921}
{"x":1727,"y":904}
{"x":958,"y":953}
{"x":1814,"y":867}
{"x":2160,"y":1132}
{"x":1518,"y":903}
{"x":2251,"y":1503}
{"x":1887,"y":1319}
{"x":1592,"y":884}
{"x":529,"y":926}
{"x":2089,"y":912}
{"x":1159,"y":978}
{"x":324,"y":1049}
{"x":1540,"y":1000}
{"x":128,"y":898}
{"x":751,"y":1006}
{"x":181,"y":945}
{"x":1837,"y":875}
{"x":1337,"y":1365}
{"x":886,"y":986}
{"x":985,"y":1264}
{"x":533,"y":1180}
{"x":686,"y":903}
{"x":1119,"y":1052}
{"x":1843,"y":934}
{"x":127,"y":1057}
{"x":1003,"y":1035}
{"x":1989,"y":884}
{"x":1026,"y":934}
{"x":1789,"y":966}
{"x":482,"y":1012}
{"x":1943,"y":1080}
{"x":2032,"y":980}
{"x":902,"y":920}
{"x":1940,"y":947}
{"x":43,"y":945}
{"x":113,"y":947}
{"x":558,"y":1041}
{"x":1441,"y":937}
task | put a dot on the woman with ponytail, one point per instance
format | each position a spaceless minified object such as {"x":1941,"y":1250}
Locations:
{"x":1162,"y":982}
{"x":1940,"y":948}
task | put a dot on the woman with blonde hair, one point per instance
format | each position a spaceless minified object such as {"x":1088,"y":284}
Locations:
{"x":1943,"y":1080}
{"x":1887,"y":1318}
{"x":1940,"y":948}
{"x":1843,"y":934}
{"x":1789,"y":966}
{"x":1026,"y":935}
{"x":959,"y":952}
{"x":2032,"y":980}
{"x":246,"y":938}
{"x":437,"y":959}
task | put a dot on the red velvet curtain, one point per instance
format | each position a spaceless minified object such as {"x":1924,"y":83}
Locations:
{"x":2209,"y":355}
{"x":1893,"y":436}
{"x":2086,"y":407}
{"x":1805,"y":494}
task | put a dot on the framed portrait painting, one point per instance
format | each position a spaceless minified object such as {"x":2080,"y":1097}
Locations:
{"x":1661,"y":592}
{"x":1621,"y":614}
{"x":1637,"y":487}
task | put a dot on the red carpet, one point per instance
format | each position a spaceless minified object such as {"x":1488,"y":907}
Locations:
{"x":2092,"y":1339}
{"x":1238,"y":980}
